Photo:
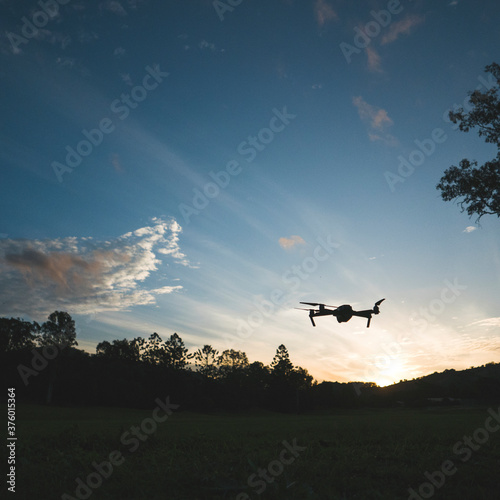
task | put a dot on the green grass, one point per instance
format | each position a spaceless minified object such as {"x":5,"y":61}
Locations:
{"x":359,"y":454}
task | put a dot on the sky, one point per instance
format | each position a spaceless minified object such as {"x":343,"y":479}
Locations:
{"x":202,"y":167}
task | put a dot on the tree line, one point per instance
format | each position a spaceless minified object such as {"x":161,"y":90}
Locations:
{"x":44,"y":365}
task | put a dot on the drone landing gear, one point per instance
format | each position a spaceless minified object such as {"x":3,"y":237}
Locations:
{"x":312,"y":319}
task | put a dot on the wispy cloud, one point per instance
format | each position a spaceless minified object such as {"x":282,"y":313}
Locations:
{"x":373,"y":59}
{"x":115,"y":161}
{"x":68,"y":62}
{"x":469,"y":229}
{"x":206,"y":45}
{"x":87,"y":37}
{"x":291,"y":242}
{"x":488,"y":323}
{"x":403,"y":27}
{"x":376,"y":117}
{"x":324,"y":12}
{"x":113,"y":6}
{"x":127,"y":79}
{"x":83,"y":275}
{"x":119,"y":52}
{"x":377,"y":120}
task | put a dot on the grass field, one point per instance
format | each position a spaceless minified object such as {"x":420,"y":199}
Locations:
{"x":358,"y":454}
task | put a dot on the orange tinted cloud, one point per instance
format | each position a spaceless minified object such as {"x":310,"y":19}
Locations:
{"x":403,"y":27}
{"x":324,"y":12}
{"x":377,"y":120}
{"x":288,"y":243}
{"x":84,"y":275}
{"x":373,"y":59}
{"x":67,"y":270}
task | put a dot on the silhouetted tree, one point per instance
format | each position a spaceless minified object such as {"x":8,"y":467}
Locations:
{"x":232,"y":361}
{"x":177,"y":354}
{"x":154,"y":351}
{"x":124,"y":350}
{"x":206,"y":359}
{"x":258,"y":375}
{"x":301,"y":378}
{"x":59,"y":329}
{"x":16,"y":334}
{"x":478,"y":188}
{"x":281,"y":365}
{"x":282,"y":391}
{"x":257,"y":384}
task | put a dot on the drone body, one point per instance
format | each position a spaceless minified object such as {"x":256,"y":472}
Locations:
{"x":343,"y":313}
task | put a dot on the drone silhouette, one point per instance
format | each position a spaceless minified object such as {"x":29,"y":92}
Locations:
{"x":342,"y":313}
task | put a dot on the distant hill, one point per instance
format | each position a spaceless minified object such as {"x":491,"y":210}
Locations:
{"x":474,"y":386}
{"x":477,"y":384}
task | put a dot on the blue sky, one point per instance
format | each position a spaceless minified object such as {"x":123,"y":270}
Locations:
{"x":201,"y":167}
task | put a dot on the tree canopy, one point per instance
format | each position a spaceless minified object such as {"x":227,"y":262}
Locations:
{"x":477,"y":189}
{"x":133,"y":373}
{"x":59,"y":329}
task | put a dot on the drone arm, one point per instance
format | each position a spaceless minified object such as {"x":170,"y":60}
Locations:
{"x":312,"y":320}
{"x":365,"y":314}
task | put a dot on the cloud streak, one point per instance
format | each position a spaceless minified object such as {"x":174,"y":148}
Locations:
{"x":86,"y":276}
{"x":403,"y":27}
{"x":373,"y":60}
{"x":377,"y":120}
{"x":289,"y":243}
{"x":324,"y":13}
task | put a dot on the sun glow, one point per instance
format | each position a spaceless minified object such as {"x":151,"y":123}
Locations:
{"x":395,"y":371}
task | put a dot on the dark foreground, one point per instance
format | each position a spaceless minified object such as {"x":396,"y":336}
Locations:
{"x":109,"y":453}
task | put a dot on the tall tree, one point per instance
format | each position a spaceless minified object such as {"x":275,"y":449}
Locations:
{"x":153,"y":350}
{"x":176,"y":351}
{"x":16,"y":334}
{"x":477,"y":188}
{"x":231,"y":361}
{"x":281,"y":365}
{"x":207,"y":360}
{"x":59,"y":329}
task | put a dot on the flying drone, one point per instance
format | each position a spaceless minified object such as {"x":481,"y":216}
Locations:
{"x":342,"y":313}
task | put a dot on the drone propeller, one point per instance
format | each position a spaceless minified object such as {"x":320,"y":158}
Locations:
{"x":311,"y":311}
{"x":376,"y":309}
{"x":317,"y":304}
